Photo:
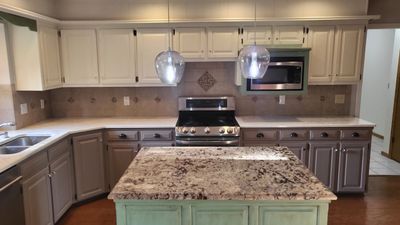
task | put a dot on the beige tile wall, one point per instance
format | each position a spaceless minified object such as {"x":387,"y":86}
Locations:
{"x":98,"y":102}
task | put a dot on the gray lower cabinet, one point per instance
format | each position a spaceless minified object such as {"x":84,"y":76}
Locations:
{"x":120,"y":155}
{"x":37,"y":198}
{"x":353,"y":166}
{"x":89,"y":165}
{"x":61,"y":183}
{"x":300,"y":149}
{"x":323,"y":158}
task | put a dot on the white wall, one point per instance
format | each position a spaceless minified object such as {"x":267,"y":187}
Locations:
{"x":205,"y":9}
{"x":376,"y":78}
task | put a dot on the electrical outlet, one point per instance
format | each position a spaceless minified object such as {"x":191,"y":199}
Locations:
{"x":42,"y":103}
{"x":340,"y":99}
{"x":282,"y":99}
{"x":24,"y":108}
{"x":127,"y":101}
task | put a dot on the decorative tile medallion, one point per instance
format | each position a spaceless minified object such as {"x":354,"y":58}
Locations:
{"x":206,"y":81}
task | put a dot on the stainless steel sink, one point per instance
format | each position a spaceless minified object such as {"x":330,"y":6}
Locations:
{"x":20,"y":144}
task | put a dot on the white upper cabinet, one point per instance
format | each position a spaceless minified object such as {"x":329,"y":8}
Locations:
{"x":347,"y":62}
{"x":79,"y":57}
{"x":191,"y":43}
{"x":288,"y":35}
{"x":262,"y":35}
{"x":116,"y":56}
{"x":36,"y":57}
{"x":321,"y":40}
{"x":150,"y":42}
{"x":223,"y":42}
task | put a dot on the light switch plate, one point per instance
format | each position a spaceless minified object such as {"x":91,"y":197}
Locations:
{"x":340,"y":99}
{"x":282,"y":99}
{"x":42,"y":103}
{"x":127,"y":101}
{"x":24,"y":108}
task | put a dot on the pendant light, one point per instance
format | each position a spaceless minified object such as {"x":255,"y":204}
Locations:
{"x":169,"y":64}
{"x":254,"y":59}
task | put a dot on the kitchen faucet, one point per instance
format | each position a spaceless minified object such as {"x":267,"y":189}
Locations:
{"x":8,"y":124}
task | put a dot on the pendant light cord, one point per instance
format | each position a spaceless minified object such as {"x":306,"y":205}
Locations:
{"x":169,"y":34}
{"x":255,"y":21}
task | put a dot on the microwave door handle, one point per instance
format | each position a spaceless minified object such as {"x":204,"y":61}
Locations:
{"x":286,"y":63}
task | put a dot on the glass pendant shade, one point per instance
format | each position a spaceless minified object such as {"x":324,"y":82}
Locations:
{"x":253,"y":61}
{"x":170,"y":66}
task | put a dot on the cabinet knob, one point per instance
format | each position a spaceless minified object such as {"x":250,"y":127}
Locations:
{"x":344,"y":150}
{"x":156,"y":135}
{"x":294,"y":135}
{"x":355,"y":134}
{"x":123,"y":136}
{"x":54,"y":173}
{"x":324,"y":135}
{"x":260,"y":135}
{"x":49,"y":175}
{"x":336,"y":150}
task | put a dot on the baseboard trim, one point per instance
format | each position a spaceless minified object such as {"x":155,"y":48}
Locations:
{"x":385,"y":154}
{"x":378,"y":136}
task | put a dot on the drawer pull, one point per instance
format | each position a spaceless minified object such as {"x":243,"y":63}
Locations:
{"x":355,"y":134}
{"x":260,"y":135}
{"x":324,"y":135}
{"x":294,"y":135}
{"x":123,"y":136}
{"x":156,"y":135}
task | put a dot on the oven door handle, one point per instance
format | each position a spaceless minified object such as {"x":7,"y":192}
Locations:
{"x":286,"y":64}
{"x":207,"y":143}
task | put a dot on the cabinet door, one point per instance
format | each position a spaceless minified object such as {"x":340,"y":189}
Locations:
{"x":323,"y":158}
{"x":89,"y":165}
{"x":61,"y":185}
{"x":349,"y":42}
{"x":116,"y":56}
{"x":120,"y":156}
{"x":223,"y":42}
{"x":191,"y":43}
{"x":288,"y":35}
{"x":150,"y":43}
{"x":37,"y":199}
{"x":299,"y":148}
{"x":50,"y":55}
{"x":262,"y":35}
{"x":321,"y":41}
{"x":79,"y":57}
{"x":353,"y":169}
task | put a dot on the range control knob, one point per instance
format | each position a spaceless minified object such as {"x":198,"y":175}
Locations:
{"x":221,"y":130}
{"x":192,"y":130}
{"x":207,"y":130}
{"x":185,"y":130}
{"x":229,"y":130}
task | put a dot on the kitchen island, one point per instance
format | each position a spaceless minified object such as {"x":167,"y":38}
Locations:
{"x":214,"y":185}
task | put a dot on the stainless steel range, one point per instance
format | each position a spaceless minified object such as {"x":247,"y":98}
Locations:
{"x":207,"y":121}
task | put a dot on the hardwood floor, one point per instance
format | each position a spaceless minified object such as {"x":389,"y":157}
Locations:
{"x":380,"y":206}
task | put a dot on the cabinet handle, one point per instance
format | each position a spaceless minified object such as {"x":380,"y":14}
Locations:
{"x":355,"y":134}
{"x":156,"y":135}
{"x":49,"y":175}
{"x":344,"y":150}
{"x":123,"y":136}
{"x":303,"y":149}
{"x":294,"y":135}
{"x":260,"y":135}
{"x":324,"y":135}
{"x":54,"y":173}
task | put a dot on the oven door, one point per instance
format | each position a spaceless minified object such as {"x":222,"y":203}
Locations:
{"x":207,"y":141}
{"x":284,"y":75}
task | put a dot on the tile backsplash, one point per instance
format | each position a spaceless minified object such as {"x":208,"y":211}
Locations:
{"x":200,"y":79}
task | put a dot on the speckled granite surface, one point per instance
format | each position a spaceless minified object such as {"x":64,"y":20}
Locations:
{"x":215,"y":173}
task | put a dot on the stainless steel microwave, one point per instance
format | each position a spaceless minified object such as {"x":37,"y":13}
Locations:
{"x":287,"y":72}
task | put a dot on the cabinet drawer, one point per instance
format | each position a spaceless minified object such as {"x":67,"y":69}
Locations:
{"x":131,"y":135}
{"x":355,"y":134}
{"x":324,"y":134}
{"x":260,"y":135}
{"x":59,"y":149}
{"x":34,"y":164}
{"x":293,"y":135}
{"x":156,"y":135}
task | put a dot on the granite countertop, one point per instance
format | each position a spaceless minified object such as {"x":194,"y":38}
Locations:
{"x":299,"y":121}
{"x":218,"y":173}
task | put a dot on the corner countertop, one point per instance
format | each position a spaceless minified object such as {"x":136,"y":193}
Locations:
{"x":218,"y":173}
{"x":299,"y":121}
{"x":58,"y":129}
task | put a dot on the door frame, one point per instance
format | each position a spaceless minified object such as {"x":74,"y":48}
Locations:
{"x":395,"y":117}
